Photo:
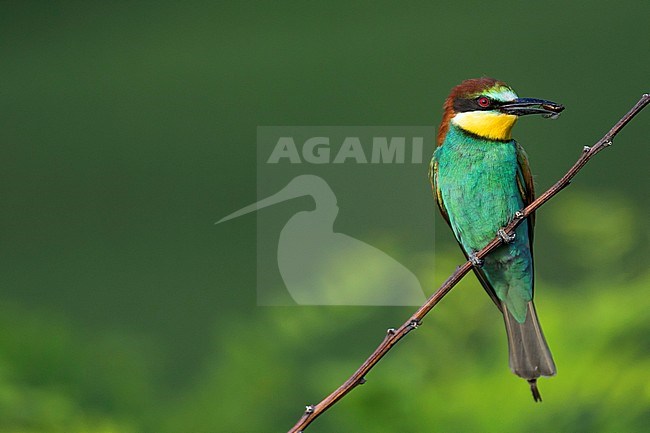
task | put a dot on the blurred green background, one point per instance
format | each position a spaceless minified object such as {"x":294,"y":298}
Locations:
{"x":129,"y":128}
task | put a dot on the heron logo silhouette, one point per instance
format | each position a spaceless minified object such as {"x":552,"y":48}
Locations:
{"x":322,"y":267}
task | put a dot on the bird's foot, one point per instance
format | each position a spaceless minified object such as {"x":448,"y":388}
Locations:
{"x":505,"y":237}
{"x":476,"y":262}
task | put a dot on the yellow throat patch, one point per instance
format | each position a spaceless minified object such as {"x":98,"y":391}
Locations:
{"x":487,"y":124}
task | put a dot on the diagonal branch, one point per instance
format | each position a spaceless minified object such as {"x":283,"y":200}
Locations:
{"x":395,"y":335}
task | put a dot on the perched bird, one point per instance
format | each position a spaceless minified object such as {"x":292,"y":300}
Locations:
{"x":480,"y":178}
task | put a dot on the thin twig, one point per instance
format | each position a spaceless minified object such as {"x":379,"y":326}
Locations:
{"x":395,"y":335}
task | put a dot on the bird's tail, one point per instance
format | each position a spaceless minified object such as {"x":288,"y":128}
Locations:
{"x":530,"y":356}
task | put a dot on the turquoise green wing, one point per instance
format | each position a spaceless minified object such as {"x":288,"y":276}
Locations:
{"x":527,"y":192}
{"x":525,"y":185}
{"x":480,"y":275}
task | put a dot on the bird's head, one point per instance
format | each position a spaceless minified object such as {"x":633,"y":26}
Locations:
{"x":489,"y":108}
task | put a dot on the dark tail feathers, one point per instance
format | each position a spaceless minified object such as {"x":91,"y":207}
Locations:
{"x":530,"y":356}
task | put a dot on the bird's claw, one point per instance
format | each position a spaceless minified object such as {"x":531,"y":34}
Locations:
{"x":476,"y":262}
{"x":505,"y":237}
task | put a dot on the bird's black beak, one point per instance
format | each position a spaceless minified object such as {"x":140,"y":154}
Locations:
{"x":524,"y":106}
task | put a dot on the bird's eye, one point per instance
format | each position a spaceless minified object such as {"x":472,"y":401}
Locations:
{"x":483,"y":102}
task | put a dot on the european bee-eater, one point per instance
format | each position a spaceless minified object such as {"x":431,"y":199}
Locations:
{"x":481,"y":178}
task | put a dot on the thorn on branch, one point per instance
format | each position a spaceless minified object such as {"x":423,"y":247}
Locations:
{"x":519,"y":215}
{"x":362,"y":381}
{"x":309,"y":409}
{"x":390,"y":331}
{"x":608,"y":143}
{"x":586,"y":149}
{"x":414,"y":324}
{"x":505,"y":237}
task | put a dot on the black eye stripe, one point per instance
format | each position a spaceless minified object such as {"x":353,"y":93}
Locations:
{"x":462,"y":105}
